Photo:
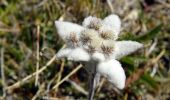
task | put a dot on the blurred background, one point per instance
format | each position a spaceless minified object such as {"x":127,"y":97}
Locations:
{"x":28,"y":40}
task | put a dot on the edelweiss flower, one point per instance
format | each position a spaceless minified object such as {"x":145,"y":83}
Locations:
{"x":95,"y":41}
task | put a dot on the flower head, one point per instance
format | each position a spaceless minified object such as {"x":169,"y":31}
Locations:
{"x":96,"y":40}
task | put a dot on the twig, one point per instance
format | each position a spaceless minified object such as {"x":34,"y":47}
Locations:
{"x":41,"y":3}
{"x":49,"y":85}
{"x":57,"y":75}
{"x":53,"y":79}
{"x":24,"y":80}
{"x":77,"y":87}
{"x":38,"y":55}
{"x":136,"y":75}
{"x":9,"y":30}
{"x":3,"y":73}
{"x":152,"y":47}
{"x":51,"y":98}
{"x":110,"y":5}
{"x":65,"y":78}
{"x":167,"y":5}
{"x":154,"y":70}
{"x":126,"y":96}
{"x":61,"y":71}
{"x":41,"y":88}
{"x":100,"y":85}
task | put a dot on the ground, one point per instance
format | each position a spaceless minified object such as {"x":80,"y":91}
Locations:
{"x":27,"y":29}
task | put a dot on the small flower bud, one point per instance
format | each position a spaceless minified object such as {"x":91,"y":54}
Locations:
{"x":96,"y":23}
{"x":108,"y":47}
{"x":87,"y":36}
{"x":108,"y":34}
{"x":95,"y":44}
{"x":73,"y":38}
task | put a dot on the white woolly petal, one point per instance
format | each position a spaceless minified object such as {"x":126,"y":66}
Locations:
{"x":87,"y":21}
{"x":66,"y":28}
{"x":114,"y":22}
{"x":98,"y":56}
{"x":113,"y":71}
{"x":78,"y":54}
{"x":63,"y":53}
{"x":124,"y":48}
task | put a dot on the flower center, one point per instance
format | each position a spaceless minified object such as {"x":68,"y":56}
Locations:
{"x":95,"y":24}
{"x":88,"y":35}
{"x":73,"y":39}
{"x":108,"y":47}
{"x":96,"y":38}
{"x":107,"y":34}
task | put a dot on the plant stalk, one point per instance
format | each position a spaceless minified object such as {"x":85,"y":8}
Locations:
{"x":92,"y":81}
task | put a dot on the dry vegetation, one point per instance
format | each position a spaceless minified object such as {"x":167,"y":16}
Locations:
{"x":28,"y":42}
